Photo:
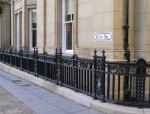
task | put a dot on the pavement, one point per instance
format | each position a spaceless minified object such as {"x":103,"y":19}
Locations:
{"x":18,"y":96}
{"x":10,"y":104}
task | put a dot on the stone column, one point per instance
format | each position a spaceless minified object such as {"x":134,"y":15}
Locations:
{"x":23,"y":23}
{"x":51,"y":26}
{"x":12,"y":23}
{"x":41,"y":25}
{"x":6,"y":24}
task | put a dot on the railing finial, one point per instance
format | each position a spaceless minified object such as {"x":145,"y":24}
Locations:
{"x":21,"y":48}
{"x":56,"y":51}
{"x":95,"y":52}
{"x":60,"y":51}
{"x":45,"y":53}
{"x":103,"y":52}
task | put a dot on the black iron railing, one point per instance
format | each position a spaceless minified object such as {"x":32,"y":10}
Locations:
{"x":95,"y":77}
{"x":137,"y":91}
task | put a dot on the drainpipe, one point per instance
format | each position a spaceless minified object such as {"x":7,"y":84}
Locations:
{"x":126,"y":32}
{"x":1,"y":11}
{"x":126,"y":48}
{"x":10,"y":23}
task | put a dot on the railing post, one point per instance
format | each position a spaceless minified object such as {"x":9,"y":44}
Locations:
{"x":0,"y":53}
{"x":35,"y":61}
{"x":95,"y":66}
{"x":21,"y":56}
{"x":140,"y":81}
{"x":45,"y":64}
{"x":56,"y":55}
{"x":99,"y":74}
{"x":3,"y":55}
{"x":15,"y":57}
{"x":75,"y":57}
{"x":103,"y":74}
{"x":27,"y":57}
{"x":10,"y":52}
{"x":58,"y":66}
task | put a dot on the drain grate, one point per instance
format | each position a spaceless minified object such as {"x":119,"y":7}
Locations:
{"x":26,"y":85}
{"x":20,"y":83}
{"x":16,"y":81}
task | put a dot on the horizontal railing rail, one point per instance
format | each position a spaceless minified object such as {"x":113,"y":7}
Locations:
{"x":123,"y":83}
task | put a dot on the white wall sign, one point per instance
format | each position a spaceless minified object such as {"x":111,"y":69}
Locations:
{"x":103,"y":36}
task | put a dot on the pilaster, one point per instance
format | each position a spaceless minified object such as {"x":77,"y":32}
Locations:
{"x":23,"y":23}
{"x":12,"y":23}
{"x":41,"y":25}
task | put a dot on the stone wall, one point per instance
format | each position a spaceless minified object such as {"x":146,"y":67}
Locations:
{"x":142,"y":26}
{"x":5,"y":24}
{"x":91,"y":16}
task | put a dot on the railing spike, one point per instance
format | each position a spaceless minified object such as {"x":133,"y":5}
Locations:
{"x":45,"y":53}
{"x":95,"y":52}
{"x":56,"y":51}
{"x":60,"y":51}
{"x":103,"y":52}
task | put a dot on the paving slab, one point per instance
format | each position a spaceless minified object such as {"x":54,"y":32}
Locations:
{"x":11,"y":105}
{"x":14,"y":82}
{"x":87,"y":112}
{"x":35,"y":100}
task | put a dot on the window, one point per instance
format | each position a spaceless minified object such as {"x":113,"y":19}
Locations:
{"x":33,"y":29}
{"x":18,"y":29}
{"x":67,"y":30}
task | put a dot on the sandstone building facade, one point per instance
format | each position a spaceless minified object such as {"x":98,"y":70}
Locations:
{"x":5,"y":24}
{"x":80,"y":26}
{"x":120,"y":27}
